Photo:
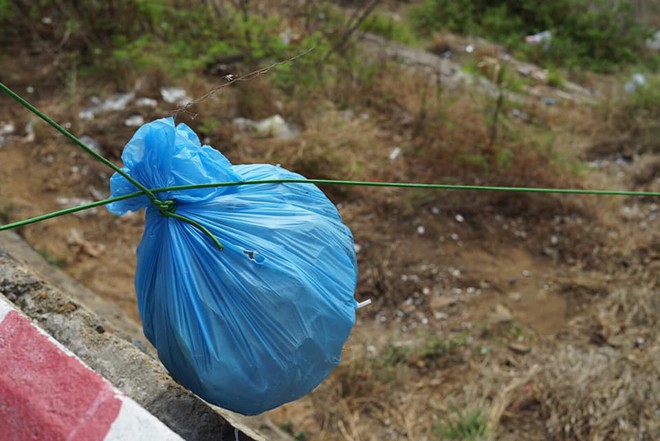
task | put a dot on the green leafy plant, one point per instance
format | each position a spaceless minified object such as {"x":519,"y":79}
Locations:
{"x":462,"y":426}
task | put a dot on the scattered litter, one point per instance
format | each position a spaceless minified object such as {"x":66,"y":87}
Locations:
{"x":421,"y":230}
{"x":86,"y":114}
{"x":243,"y":123}
{"x":92,"y":144}
{"x":636,"y":81}
{"x":459,"y":218}
{"x":97,"y":194}
{"x":65,"y":202}
{"x":396,"y":151}
{"x":146,"y":102}
{"x":113,"y":103}
{"x":286,"y":36}
{"x":357,"y":248}
{"x":454,"y":236}
{"x":275,"y":127}
{"x":544,"y":37}
{"x":116,"y":102}
{"x":526,"y":273}
{"x":29,"y":132}
{"x":469,"y":48}
{"x":29,"y":89}
{"x":134,"y":121}
{"x":653,"y":43}
{"x":519,"y":114}
{"x":175,"y":95}
{"x":6,"y":129}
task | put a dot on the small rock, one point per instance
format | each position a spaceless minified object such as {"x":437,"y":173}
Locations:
{"x":515,"y":296}
{"x":459,"y":218}
{"x":421,"y":230}
{"x":501,"y":314}
{"x":519,"y":348}
{"x":441,"y":302}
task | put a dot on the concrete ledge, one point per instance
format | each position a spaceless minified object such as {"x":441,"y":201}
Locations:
{"x":46,"y":392}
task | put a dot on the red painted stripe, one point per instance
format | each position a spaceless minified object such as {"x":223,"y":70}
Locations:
{"x":47,"y":394}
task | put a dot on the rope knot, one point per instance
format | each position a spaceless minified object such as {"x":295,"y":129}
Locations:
{"x":166,"y":208}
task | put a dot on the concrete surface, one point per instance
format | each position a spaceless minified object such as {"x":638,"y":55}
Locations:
{"x":113,"y":346}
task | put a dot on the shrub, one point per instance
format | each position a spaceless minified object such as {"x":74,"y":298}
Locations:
{"x":596,"y":34}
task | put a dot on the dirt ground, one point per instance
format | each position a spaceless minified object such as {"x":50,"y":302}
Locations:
{"x":541,"y":319}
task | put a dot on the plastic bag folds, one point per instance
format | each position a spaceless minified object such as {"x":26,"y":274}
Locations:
{"x":261,"y":322}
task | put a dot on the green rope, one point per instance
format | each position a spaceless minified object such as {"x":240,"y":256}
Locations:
{"x":54,"y":214}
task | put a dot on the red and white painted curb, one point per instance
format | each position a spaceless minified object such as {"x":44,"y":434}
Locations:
{"x":47,"y":393}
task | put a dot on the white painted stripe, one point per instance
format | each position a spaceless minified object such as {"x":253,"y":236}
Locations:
{"x":4,"y":308}
{"x":133,"y":422}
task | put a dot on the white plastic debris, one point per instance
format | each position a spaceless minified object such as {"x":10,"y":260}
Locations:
{"x":7,"y":128}
{"x":653,"y":43}
{"x":65,"y":202}
{"x":544,"y":37}
{"x":636,"y":81}
{"x":116,"y":102}
{"x":92,"y":143}
{"x":86,"y":114}
{"x":134,"y":121}
{"x":396,"y":151}
{"x":113,"y":103}
{"x":275,"y":127}
{"x":469,"y":48}
{"x":175,"y":95}
{"x":146,"y":102}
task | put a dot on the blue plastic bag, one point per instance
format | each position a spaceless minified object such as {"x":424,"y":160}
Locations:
{"x":261,"y":322}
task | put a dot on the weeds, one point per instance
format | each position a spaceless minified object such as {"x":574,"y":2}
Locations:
{"x":50,"y":258}
{"x":462,"y":426}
